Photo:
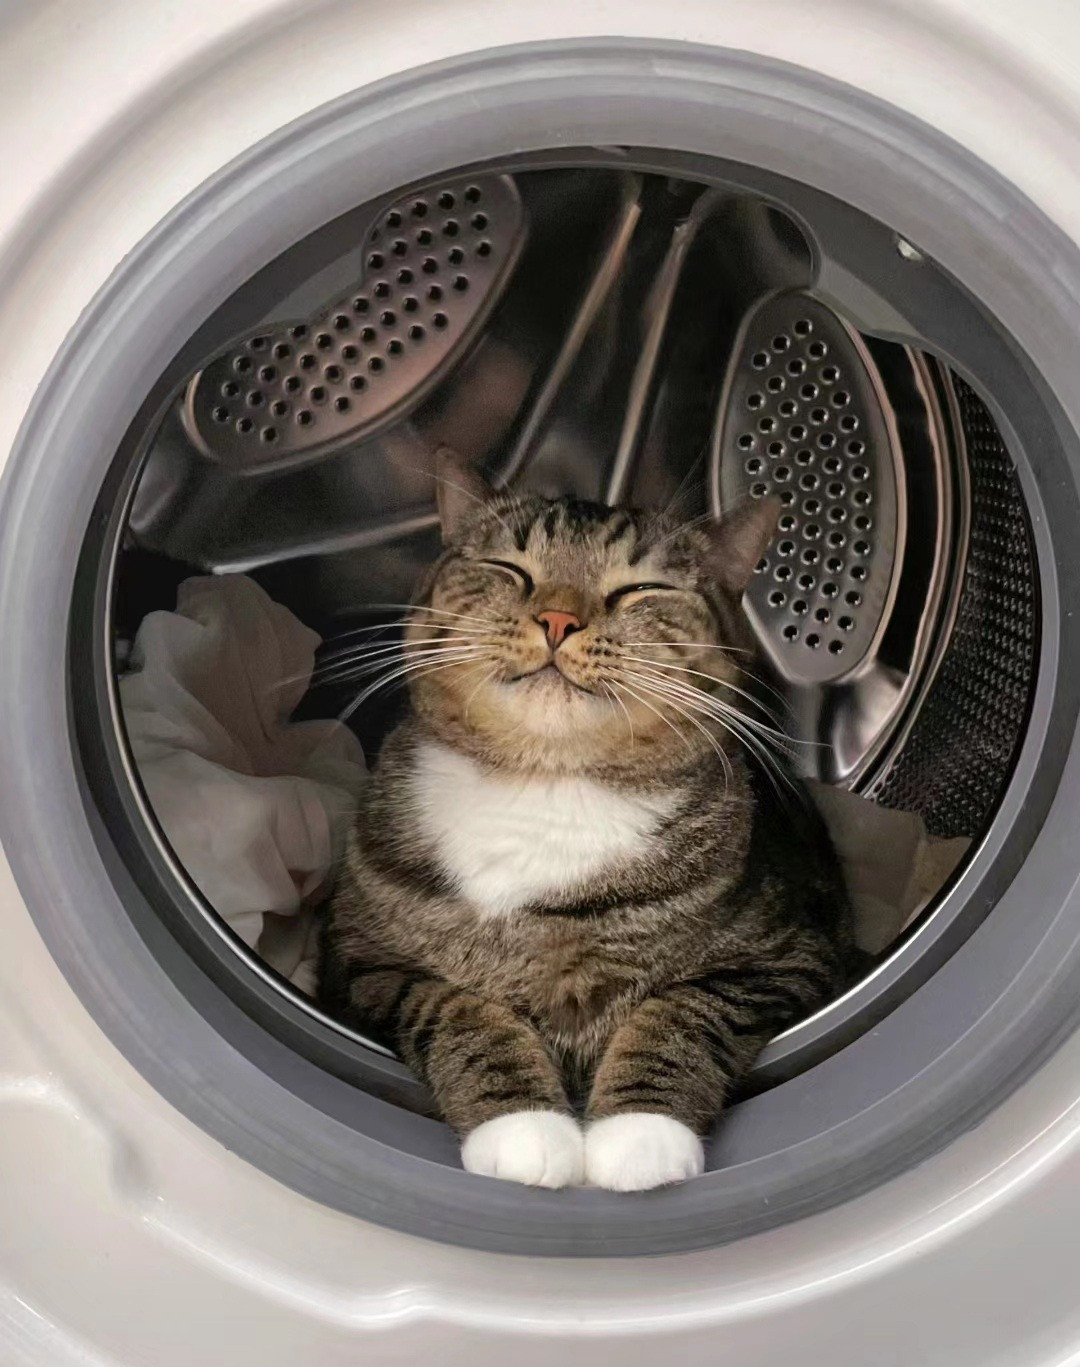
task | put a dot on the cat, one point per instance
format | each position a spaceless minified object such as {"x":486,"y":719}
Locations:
{"x":581,"y":894}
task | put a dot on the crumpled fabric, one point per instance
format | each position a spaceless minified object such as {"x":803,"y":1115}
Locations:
{"x":255,"y":806}
{"x":892,"y":866}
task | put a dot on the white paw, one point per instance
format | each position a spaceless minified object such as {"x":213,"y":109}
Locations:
{"x":639,"y":1150}
{"x":539,"y":1148}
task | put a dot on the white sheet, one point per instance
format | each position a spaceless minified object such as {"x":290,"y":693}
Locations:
{"x":892,"y":867}
{"x":255,"y":806}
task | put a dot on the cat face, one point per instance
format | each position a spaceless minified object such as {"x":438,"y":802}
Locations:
{"x":566,"y":636}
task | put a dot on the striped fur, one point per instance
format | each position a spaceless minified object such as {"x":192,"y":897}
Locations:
{"x":643,"y":976}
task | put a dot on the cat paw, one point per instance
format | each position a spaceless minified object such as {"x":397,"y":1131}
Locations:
{"x":640,"y":1150}
{"x":538,"y":1148}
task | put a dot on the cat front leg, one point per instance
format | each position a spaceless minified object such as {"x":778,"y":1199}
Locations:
{"x":493,"y":1078}
{"x":661,"y":1083}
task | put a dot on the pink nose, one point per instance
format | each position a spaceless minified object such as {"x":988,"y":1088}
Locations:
{"x":558,"y":626}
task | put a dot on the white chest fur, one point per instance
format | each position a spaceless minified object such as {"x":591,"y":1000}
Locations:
{"x":510,"y":842}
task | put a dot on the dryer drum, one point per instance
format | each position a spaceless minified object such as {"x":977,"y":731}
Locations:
{"x":643,"y":339}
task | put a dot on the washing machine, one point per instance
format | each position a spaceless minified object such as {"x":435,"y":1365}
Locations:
{"x":828,"y":252}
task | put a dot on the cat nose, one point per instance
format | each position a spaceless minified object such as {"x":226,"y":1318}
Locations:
{"x":558,"y":626}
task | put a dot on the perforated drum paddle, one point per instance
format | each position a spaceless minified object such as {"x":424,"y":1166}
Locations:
{"x":435,"y":263}
{"x":803,"y":416}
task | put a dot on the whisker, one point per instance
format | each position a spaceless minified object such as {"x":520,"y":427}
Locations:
{"x":699,"y":645}
{"x":686,"y":526}
{"x":403,"y":642}
{"x":404,"y":656}
{"x":396,"y":625}
{"x":486,"y":678}
{"x":485,"y":618}
{"x":374,"y":650}
{"x":780,"y":740}
{"x":422,"y":669}
{"x":427,"y":607}
{"x":402,"y":624}
{"x":711,"y":740}
{"x":725,"y":712}
{"x":686,"y":485}
{"x":723,"y":683}
{"x":453,"y":484}
{"x":385,"y":681}
{"x":347,"y":673}
{"x":750,"y":734}
{"x":372,"y":658}
{"x":655,"y":711}
{"x":335,"y":660}
{"x":608,"y":688}
{"x":734,"y":650}
{"x":334,"y":656}
{"x":775,"y":733}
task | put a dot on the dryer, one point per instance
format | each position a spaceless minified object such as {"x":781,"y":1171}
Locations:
{"x":832,"y":256}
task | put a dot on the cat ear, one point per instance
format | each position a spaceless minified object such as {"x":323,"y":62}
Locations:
{"x":458,"y":490}
{"x":739,"y":540}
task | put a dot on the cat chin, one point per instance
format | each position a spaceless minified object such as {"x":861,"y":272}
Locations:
{"x":549,"y":695}
{"x":550,"y":680}
{"x":545,"y":698}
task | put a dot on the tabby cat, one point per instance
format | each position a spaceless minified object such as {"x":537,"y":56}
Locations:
{"x":583,"y":891}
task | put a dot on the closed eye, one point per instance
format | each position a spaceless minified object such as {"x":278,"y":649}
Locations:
{"x":515,"y":572}
{"x":626,"y":589}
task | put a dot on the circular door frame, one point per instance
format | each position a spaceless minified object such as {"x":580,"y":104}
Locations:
{"x":944,"y":1057}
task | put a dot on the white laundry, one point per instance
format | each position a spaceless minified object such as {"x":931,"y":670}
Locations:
{"x":254,"y":805}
